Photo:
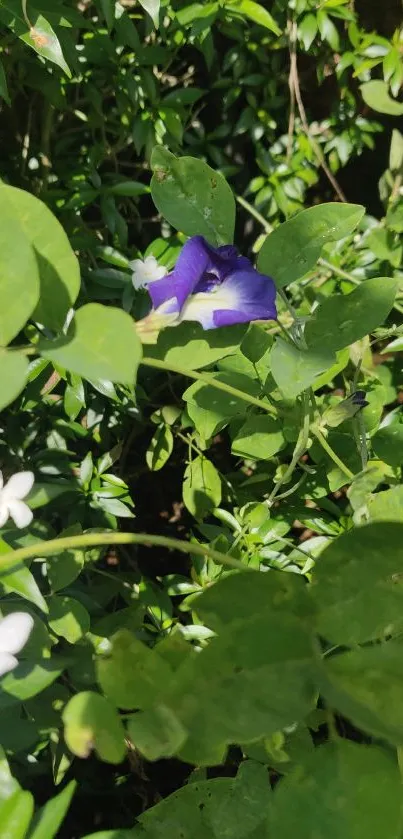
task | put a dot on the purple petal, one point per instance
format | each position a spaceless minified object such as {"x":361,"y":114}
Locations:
{"x":244,"y":296}
{"x":255,"y":295}
{"x":193,"y":260}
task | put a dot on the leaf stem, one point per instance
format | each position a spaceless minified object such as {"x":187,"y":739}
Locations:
{"x":209,"y":379}
{"x":255,"y":213}
{"x":338,"y":271}
{"x":300,"y":449}
{"x":88,"y":540}
{"x":332,"y":454}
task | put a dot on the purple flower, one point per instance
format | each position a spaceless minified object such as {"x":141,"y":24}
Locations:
{"x":214,"y":286}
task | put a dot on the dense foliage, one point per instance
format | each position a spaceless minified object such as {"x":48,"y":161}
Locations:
{"x":201,"y":528}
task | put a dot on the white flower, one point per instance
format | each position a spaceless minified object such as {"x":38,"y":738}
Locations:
{"x":11,"y":495}
{"x":146,"y":271}
{"x":15,"y":630}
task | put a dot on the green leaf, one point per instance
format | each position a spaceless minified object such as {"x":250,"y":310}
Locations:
{"x":15,"y":815}
{"x":294,"y":247}
{"x":108,"y":11}
{"x":160,"y":448}
{"x":19,"y":277}
{"x":343,"y":319}
{"x":200,"y":348}
{"x":68,"y":618}
{"x":229,"y":599}
{"x":341,"y":784}
{"x":101,"y":343}
{"x":193,"y":197}
{"x":3,"y":86}
{"x":307,"y":30}
{"x":156,"y":733}
{"x":241,"y":688}
{"x":294,"y":369}
{"x":50,"y":817}
{"x":42,"y":38}
{"x":90,"y":722}
{"x":365,"y":685}
{"x":132,"y":675}
{"x":375,"y":94}
{"x":260,"y":437}
{"x":153,"y":9}
{"x":43,"y":493}
{"x":13,"y":375}
{"x":29,"y":679}
{"x":356,"y":584}
{"x":255,"y":12}
{"x":387,"y":505}
{"x":387,"y":444}
{"x":59,"y":272}
{"x":396,"y":151}
{"x":20,"y":580}
{"x":201,"y":487}
{"x":222,"y":808}
{"x":211,"y":409}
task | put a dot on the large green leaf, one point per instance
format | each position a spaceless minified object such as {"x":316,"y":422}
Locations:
{"x":59,"y":272}
{"x":387,"y":444}
{"x":201,"y":487}
{"x":91,"y":722}
{"x":343,"y":789}
{"x":193,"y":197}
{"x":356,"y":585}
{"x":19,"y":276}
{"x":260,"y":437}
{"x":211,"y":409}
{"x":243,"y":686}
{"x":255,"y":12}
{"x":132,"y":675}
{"x":294,"y":369}
{"x":222,"y":808}
{"x":343,"y":319}
{"x":365,"y":685}
{"x":13,"y":375}
{"x":15,"y":815}
{"x":101,"y":343}
{"x":294,"y":247}
{"x":50,"y":817}
{"x":20,"y":580}
{"x":43,"y":39}
{"x":376,"y":94}
{"x":68,"y":618}
{"x":153,"y":9}
{"x":28,"y":679}
{"x":191,"y":346}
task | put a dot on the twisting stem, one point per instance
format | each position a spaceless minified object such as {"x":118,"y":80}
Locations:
{"x":332,"y":454}
{"x":24,"y":4}
{"x":88,"y":540}
{"x":294,"y":81}
{"x":209,"y":379}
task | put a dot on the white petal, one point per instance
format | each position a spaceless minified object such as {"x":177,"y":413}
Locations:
{"x":136,"y":264}
{"x":201,"y":306}
{"x":15,"y":630}
{"x":19,"y":485}
{"x":20,"y":513}
{"x":4,"y":514}
{"x":7,"y":662}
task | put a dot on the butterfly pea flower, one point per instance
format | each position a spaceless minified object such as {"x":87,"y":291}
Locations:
{"x":214,"y":286}
{"x":15,"y":630}
{"x":11,"y":495}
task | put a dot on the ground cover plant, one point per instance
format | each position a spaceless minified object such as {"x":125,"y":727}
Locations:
{"x":201,"y":437}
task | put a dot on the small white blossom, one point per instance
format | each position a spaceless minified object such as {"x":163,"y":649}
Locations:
{"x":15,"y":630}
{"x":11,"y":496}
{"x":146,"y":271}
